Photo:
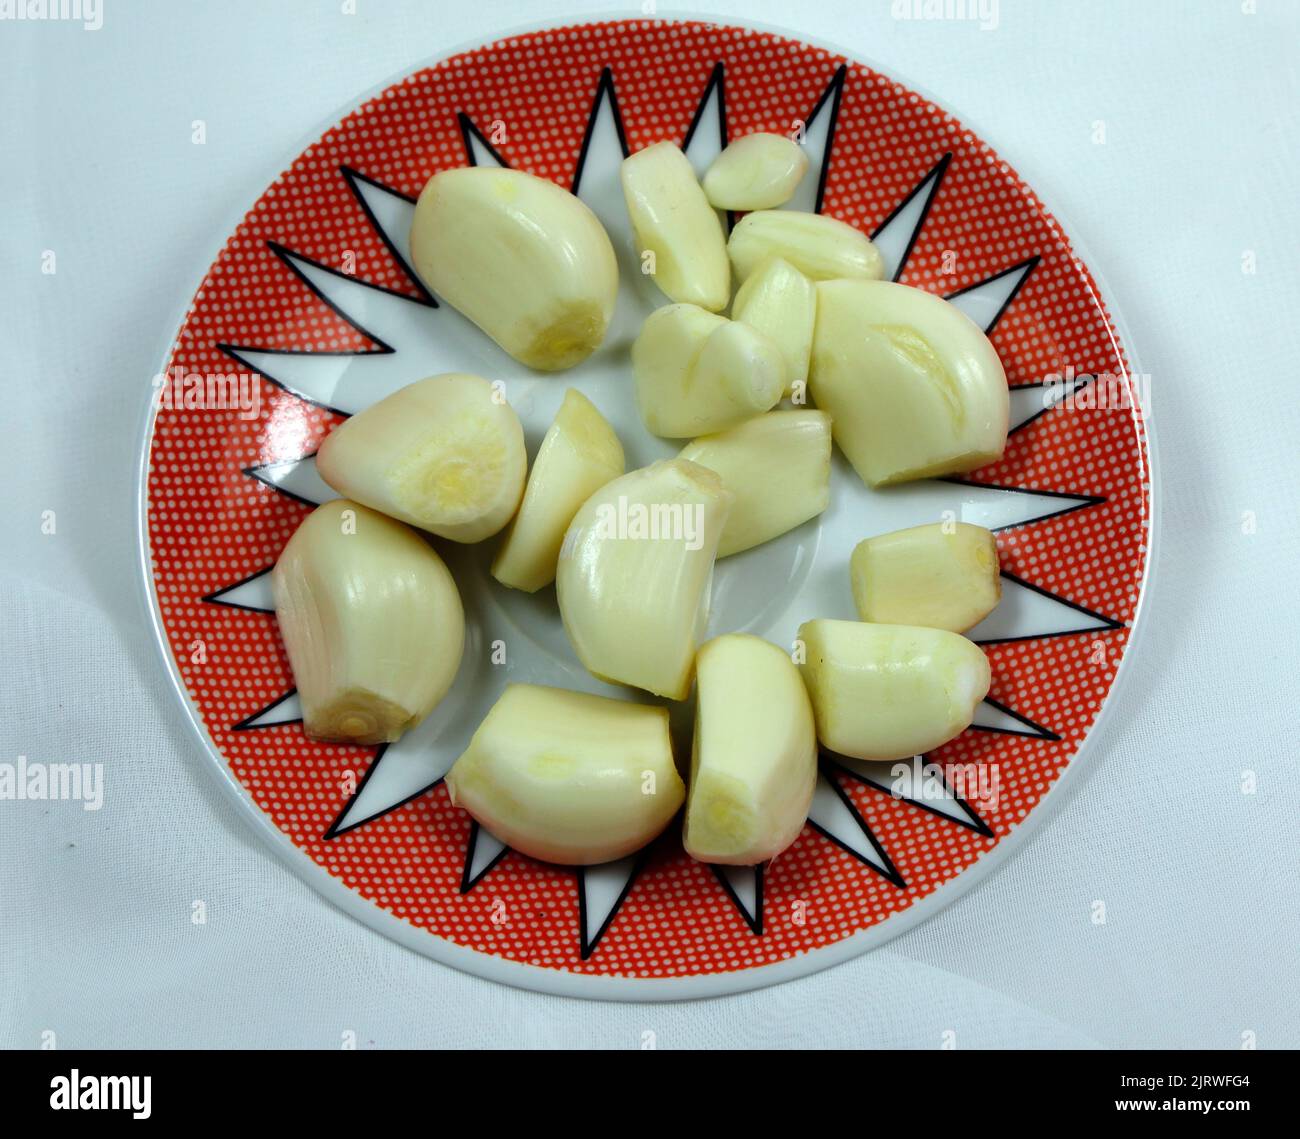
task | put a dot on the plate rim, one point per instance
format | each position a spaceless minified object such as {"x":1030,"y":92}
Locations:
{"x":557,"y":982}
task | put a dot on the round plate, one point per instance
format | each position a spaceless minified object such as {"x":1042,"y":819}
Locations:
{"x":310,"y":312}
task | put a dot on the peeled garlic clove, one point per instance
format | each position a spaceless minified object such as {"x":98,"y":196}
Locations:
{"x":757,"y":172}
{"x":635,"y":571}
{"x":943,"y":575}
{"x":777,"y":465}
{"x":754,"y":762}
{"x":820,"y":247}
{"x":445,"y":454}
{"x":890,"y":691}
{"x":914,"y":386}
{"x":673,"y":221}
{"x":579,"y":454}
{"x":371,"y":621}
{"x":781,"y":303}
{"x":739,"y":372}
{"x":696,"y":372}
{"x":526,"y":261}
{"x":567,"y":777}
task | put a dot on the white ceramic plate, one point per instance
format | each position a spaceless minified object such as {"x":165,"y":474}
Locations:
{"x":310,"y":313}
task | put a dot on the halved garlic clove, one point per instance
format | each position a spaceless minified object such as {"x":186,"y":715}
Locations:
{"x":781,"y":303}
{"x":820,"y":247}
{"x":526,"y":261}
{"x":914,"y":386}
{"x":674,"y":223}
{"x":579,"y":454}
{"x":697,"y":372}
{"x":567,"y":777}
{"x":771,"y":496}
{"x":754,"y":761}
{"x":942,"y":575}
{"x":635,"y":571}
{"x":445,"y":454}
{"x":371,"y":621}
{"x":757,"y":172}
{"x":890,"y":691}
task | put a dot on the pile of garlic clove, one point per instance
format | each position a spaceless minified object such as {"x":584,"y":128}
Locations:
{"x":902,"y":381}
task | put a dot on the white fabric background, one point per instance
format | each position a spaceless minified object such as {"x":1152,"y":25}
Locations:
{"x":1199,"y":880}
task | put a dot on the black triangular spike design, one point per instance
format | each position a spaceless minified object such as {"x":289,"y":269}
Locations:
{"x":471,"y":136}
{"x":354,"y":179}
{"x":250,"y":724}
{"x":933,"y":178}
{"x":263,"y":473}
{"x":1075,"y":501}
{"x":889,"y":871}
{"x":335,"y":829}
{"x":753,"y":920}
{"x":1108,"y":624}
{"x":1032,"y":729}
{"x":216,"y":596}
{"x":717,"y":80}
{"x":587,"y":946}
{"x":1024,"y":269}
{"x":832,"y":95}
{"x":468,"y":879}
{"x":973,"y":821}
{"x":604,"y":88}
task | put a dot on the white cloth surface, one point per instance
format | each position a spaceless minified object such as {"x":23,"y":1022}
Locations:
{"x":1199,"y":166}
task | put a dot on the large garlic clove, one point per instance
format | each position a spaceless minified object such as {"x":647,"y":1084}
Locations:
{"x":567,"y":777}
{"x":820,"y":247}
{"x":445,"y":454}
{"x":754,"y":762}
{"x":941,"y":575}
{"x":674,"y":224}
{"x":579,"y":454}
{"x":777,"y":465}
{"x":757,"y":172}
{"x":371,"y":621}
{"x":914,"y":386}
{"x":890,"y":691}
{"x":781,"y":303}
{"x":696,"y":372}
{"x":635,"y":571}
{"x":526,"y":261}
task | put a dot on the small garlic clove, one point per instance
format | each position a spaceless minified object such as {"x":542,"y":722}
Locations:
{"x":754,"y":761}
{"x":941,"y":575}
{"x":820,"y":247}
{"x":890,"y":691}
{"x":663,"y":359}
{"x":674,"y":225}
{"x":567,"y":777}
{"x":914,"y":386}
{"x":526,"y":261}
{"x":696,"y":372}
{"x":780,"y":302}
{"x":635,"y":572}
{"x":371,"y":622}
{"x":738,"y":373}
{"x":771,"y":497}
{"x":579,"y":454}
{"x":757,"y":172}
{"x":445,"y":454}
